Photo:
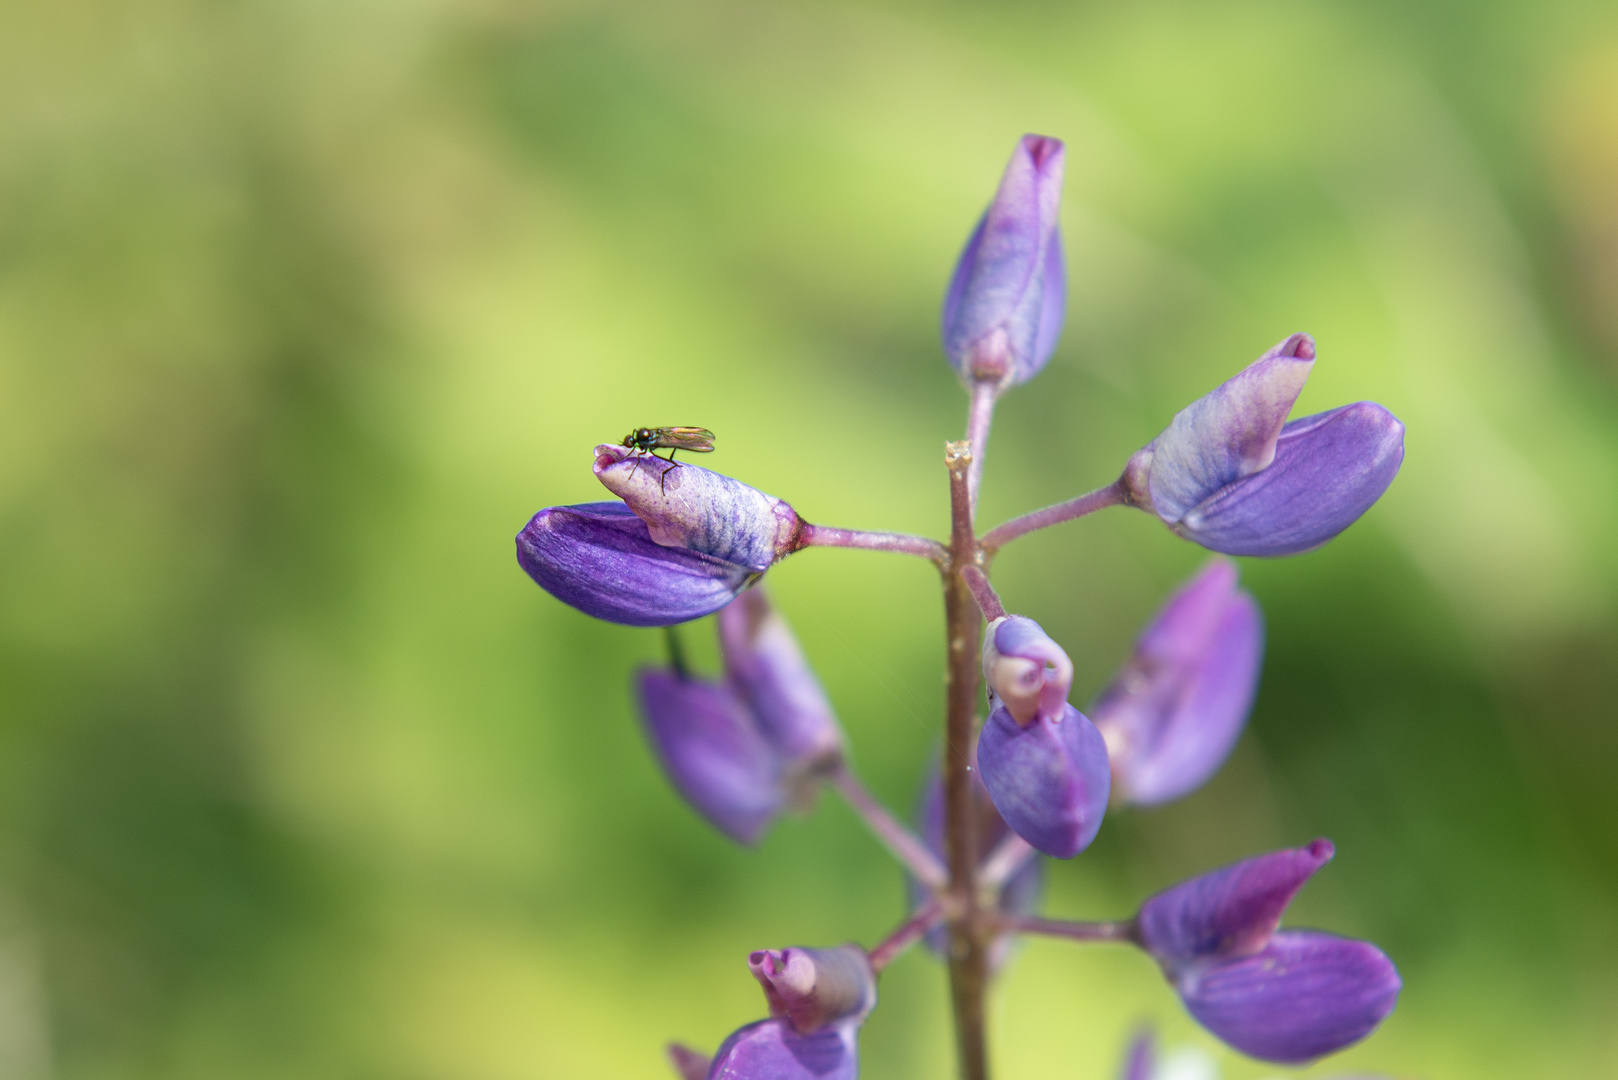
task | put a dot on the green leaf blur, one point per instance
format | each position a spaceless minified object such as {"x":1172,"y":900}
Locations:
{"x":305,"y":308}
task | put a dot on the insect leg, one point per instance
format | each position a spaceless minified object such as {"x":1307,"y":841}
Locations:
{"x":663,"y":479}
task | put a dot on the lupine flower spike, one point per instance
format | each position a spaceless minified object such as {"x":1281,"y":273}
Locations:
{"x":1043,"y":762}
{"x":1231,"y":474}
{"x":1172,"y":715}
{"x":1287,"y":996}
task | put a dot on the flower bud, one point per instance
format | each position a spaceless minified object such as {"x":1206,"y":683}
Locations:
{"x":768,"y":669}
{"x":1175,"y":711}
{"x":1027,"y":671}
{"x":1004,"y":308}
{"x":688,"y":506}
{"x":812,"y":988}
{"x":600,"y":558}
{"x":1231,"y":474}
{"x":1048,"y":779}
{"x":712,"y":752}
{"x":1286,"y":996}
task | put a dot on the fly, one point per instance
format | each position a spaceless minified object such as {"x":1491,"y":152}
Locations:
{"x":649,"y":440}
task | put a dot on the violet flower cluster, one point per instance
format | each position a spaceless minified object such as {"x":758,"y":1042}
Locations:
{"x":1023,"y":773}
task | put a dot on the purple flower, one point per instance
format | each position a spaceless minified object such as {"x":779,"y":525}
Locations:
{"x":1043,"y":762}
{"x":1231,"y":474}
{"x":1004,"y":308}
{"x":1027,"y":671}
{"x":742,"y":750}
{"x":1021,"y":892}
{"x":1048,"y":778}
{"x":600,"y":558}
{"x":687,"y":506}
{"x":1287,"y":996}
{"x":767,"y":669}
{"x":818,"y":998}
{"x":709,"y":745}
{"x":1173,"y":714}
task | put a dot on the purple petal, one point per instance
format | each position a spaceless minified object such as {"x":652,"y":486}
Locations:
{"x":689,"y":1064}
{"x":712,"y":752}
{"x":1228,"y":912}
{"x":1021,"y":893}
{"x":1053,"y":304}
{"x":1175,"y":711}
{"x":600,"y":558}
{"x":1049,"y":780}
{"x":960,"y":277}
{"x":768,"y":669}
{"x":772,"y":1050}
{"x":1003,"y":309}
{"x":1328,"y":470}
{"x":1141,"y":1059}
{"x":1230,"y":432}
{"x":687,"y":506}
{"x":812,"y":988}
{"x":1304,"y":995}
{"x":1025,"y":669}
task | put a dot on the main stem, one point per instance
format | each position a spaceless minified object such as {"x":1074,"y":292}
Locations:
{"x":968,"y":960}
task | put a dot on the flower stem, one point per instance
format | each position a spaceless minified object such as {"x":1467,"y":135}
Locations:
{"x":1071,"y":929}
{"x":978,"y":418}
{"x":907,"y":934}
{"x":968,"y":956}
{"x":1005,"y":860}
{"x":983,"y":593}
{"x":905,"y":845}
{"x":826,"y":536}
{"x":1101,"y":498}
{"x":677,"y":659}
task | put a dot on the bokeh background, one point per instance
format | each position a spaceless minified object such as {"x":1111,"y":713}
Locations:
{"x":306,"y":307}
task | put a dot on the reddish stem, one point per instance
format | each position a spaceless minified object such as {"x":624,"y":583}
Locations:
{"x":907,"y":934}
{"x":827,"y":536}
{"x":968,"y":936}
{"x":905,"y":845}
{"x":988,"y":600}
{"x":1071,"y":929}
{"x":1101,"y":498}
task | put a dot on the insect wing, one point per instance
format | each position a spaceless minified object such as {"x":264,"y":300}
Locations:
{"x":699,"y":440}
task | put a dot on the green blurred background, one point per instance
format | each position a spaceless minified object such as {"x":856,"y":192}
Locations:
{"x":305,"y":308}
